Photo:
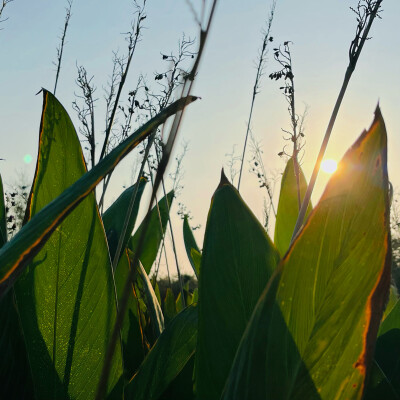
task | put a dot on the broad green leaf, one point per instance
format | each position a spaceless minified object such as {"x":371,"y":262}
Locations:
{"x":114,"y":217}
{"x":66,"y":296}
{"x":238,"y":259}
{"x":157,"y":291}
{"x":167,"y":358}
{"x":15,"y":374}
{"x":19,"y":251}
{"x":189,"y":298}
{"x":153,"y":306}
{"x":154,"y":233}
{"x":179,"y":303}
{"x":133,"y":341}
{"x":169,"y":305}
{"x":314,"y":338}
{"x":190,"y":245}
{"x":196,"y":258}
{"x":181,"y":388}
{"x":195,"y":295}
{"x":288,"y":207}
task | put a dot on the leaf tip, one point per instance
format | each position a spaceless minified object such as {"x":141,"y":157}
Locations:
{"x":224,"y":180}
{"x":378,"y":113}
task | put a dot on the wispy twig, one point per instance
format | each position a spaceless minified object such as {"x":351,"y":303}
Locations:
{"x":101,"y":390}
{"x":60,"y":48}
{"x":260,"y":71}
{"x":366,"y":11}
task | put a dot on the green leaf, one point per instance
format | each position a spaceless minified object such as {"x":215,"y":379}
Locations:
{"x":153,"y":306}
{"x":114,"y":217}
{"x":154,"y":233}
{"x":15,"y":374}
{"x":196,"y":258}
{"x":66,"y":296}
{"x":19,"y":251}
{"x":181,"y":388}
{"x":133,"y":341}
{"x":288,"y":207}
{"x":387,"y":354}
{"x":238,"y":259}
{"x":169,"y":305}
{"x":156,"y":288}
{"x":190,"y":245}
{"x":196,"y":295}
{"x":179,"y":303}
{"x":167,"y":358}
{"x":314,"y":338}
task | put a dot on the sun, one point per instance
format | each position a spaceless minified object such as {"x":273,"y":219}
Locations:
{"x":329,"y":166}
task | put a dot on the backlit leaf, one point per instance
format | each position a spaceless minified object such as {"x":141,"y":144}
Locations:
{"x":288,"y":207}
{"x":190,"y":245}
{"x":19,"y":251}
{"x":167,"y":358}
{"x":238,"y":259}
{"x":313,"y":331}
{"x":66,"y":296}
{"x":154,"y":233}
{"x":133,"y":341}
{"x":114,"y":217}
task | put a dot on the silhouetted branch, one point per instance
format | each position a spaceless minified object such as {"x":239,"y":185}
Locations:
{"x":260,"y":70}
{"x":86,"y":111}
{"x":186,"y":89}
{"x":60,"y":48}
{"x":2,"y":7}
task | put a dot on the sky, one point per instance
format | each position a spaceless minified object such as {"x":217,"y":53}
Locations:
{"x":321,"y":33}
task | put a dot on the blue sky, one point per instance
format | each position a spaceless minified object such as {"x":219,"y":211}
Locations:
{"x":321,"y":33}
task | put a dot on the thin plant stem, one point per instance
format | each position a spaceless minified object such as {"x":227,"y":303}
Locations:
{"x":3,"y":4}
{"x":132,"y":201}
{"x":174,"y":248}
{"x":133,"y":40}
{"x":363,"y":28}
{"x":260,"y":68}
{"x":60,"y":49}
{"x":172,"y":235}
{"x":162,"y":230}
{"x":101,"y":389}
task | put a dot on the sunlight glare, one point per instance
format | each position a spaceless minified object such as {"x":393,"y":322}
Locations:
{"x":329,"y":166}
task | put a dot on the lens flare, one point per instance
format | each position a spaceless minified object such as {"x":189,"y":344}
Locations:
{"x":27,"y":159}
{"x":329,"y":166}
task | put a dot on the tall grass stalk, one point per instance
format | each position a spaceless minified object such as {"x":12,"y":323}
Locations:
{"x":284,"y":58}
{"x":60,"y":48}
{"x":260,"y":70}
{"x":186,"y":89}
{"x":366,"y":12}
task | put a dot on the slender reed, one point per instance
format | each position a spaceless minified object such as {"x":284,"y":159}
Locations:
{"x":260,"y":71}
{"x":133,"y":38}
{"x":101,"y":390}
{"x":284,"y":57}
{"x":60,"y":48}
{"x":85,"y":112}
{"x":366,"y":11}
